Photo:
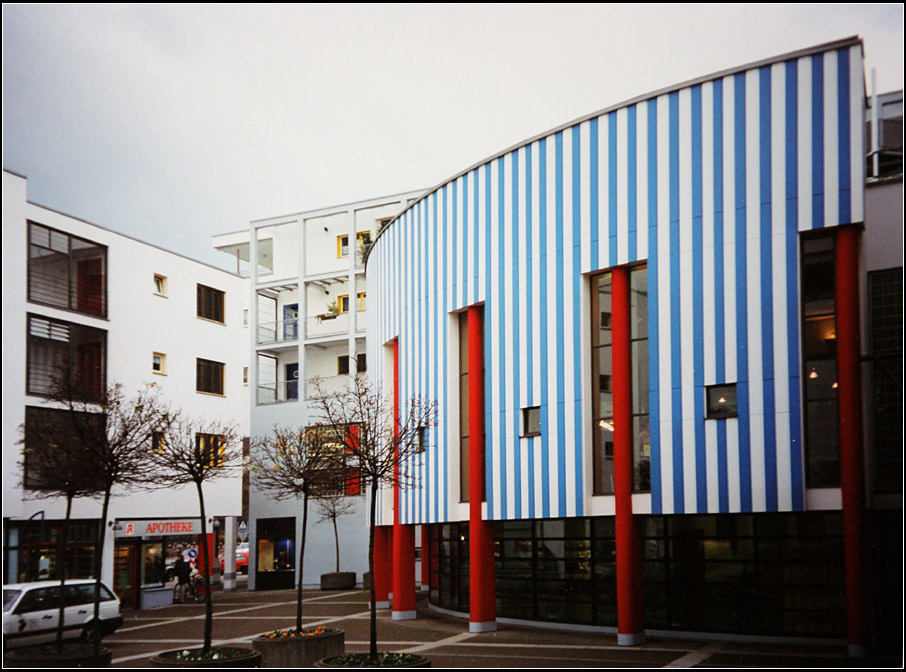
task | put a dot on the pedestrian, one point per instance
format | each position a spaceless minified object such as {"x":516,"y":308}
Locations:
{"x":183,"y":570}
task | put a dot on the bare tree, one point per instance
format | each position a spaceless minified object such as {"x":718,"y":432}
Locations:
{"x":196,"y":451}
{"x":332,"y":509}
{"x":90,"y":442}
{"x":290,"y":463}
{"x":382,"y":443}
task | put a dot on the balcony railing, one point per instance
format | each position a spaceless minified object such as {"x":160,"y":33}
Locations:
{"x":57,"y":289}
{"x":326,"y":325}
{"x":278,"y":332}
{"x":328,"y":385}
{"x":278,"y":392}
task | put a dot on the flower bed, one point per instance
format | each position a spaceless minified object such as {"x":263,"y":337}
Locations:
{"x":299,"y":648}
{"x":216,"y":656}
{"x":384,"y":659}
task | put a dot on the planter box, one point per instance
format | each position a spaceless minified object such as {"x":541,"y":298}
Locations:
{"x":248,"y":658}
{"x":338,"y":581}
{"x":418,"y":661}
{"x":300,"y":651}
{"x":73,"y":655}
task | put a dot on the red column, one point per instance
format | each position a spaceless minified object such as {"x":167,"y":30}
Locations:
{"x":426,"y":556}
{"x":403,"y":535}
{"x":630,"y":613}
{"x":383,"y":536}
{"x":482,"y":609}
{"x":852,"y":477}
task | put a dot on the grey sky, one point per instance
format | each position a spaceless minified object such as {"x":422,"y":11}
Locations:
{"x":173,"y":123}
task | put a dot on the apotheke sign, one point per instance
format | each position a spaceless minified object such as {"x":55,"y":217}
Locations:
{"x":158,"y":528}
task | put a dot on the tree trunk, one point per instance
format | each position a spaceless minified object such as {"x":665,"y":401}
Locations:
{"x":336,"y":541}
{"x":62,"y":542}
{"x":98,"y":564}
{"x":372,"y":640}
{"x":301,"y":560}
{"x":206,"y":574}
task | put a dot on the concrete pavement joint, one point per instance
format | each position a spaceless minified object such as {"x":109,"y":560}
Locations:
{"x":694,"y":658}
{"x":449,"y":641}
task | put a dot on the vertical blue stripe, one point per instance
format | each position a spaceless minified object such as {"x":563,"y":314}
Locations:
{"x":698,"y":310}
{"x":446,"y":364}
{"x":653,"y":333}
{"x":844,"y":138}
{"x":817,"y":141}
{"x":543,"y":346}
{"x":477,"y":223}
{"x":742,"y":344}
{"x":767,"y":296}
{"x":720,"y":366}
{"x":517,"y":354}
{"x":489,"y":484}
{"x":676,"y":373}
{"x":435,"y":392}
{"x":561,"y":410}
{"x":578,"y":368}
{"x":593,"y":192}
{"x":500,"y":441}
{"x":792,"y":281}
{"x":456,"y":246}
{"x":631,"y":184}
{"x":465,"y":240}
{"x":612,"y":184}
{"x":533,"y":445}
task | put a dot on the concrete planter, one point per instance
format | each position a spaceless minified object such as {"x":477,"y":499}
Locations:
{"x":299,"y":651}
{"x":72,"y":655}
{"x":245,"y":658}
{"x":338,"y":581}
{"x":417,"y":661}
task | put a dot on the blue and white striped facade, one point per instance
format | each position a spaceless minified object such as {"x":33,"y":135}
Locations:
{"x":709,"y":183}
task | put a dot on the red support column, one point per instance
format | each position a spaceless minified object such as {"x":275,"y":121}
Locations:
{"x":482,"y":607}
{"x":426,"y":556}
{"x":383,"y":536}
{"x":403,"y":535}
{"x":852,"y":476}
{"x":630,"y":612}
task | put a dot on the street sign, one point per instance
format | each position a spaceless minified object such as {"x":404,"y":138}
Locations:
{"x":243,"y":531}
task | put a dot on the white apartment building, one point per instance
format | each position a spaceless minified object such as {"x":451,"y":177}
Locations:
{"x":308,"y":315}
{"x":132,"y":313}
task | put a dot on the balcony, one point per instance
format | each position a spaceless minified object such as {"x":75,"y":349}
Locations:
{"x":278,"y":392}
{"x":281,"y":331}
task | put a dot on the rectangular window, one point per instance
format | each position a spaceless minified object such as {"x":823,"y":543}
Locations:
{"x":160,"y":285}
{"x":210,"y":303}
{"x":721,"y":401}
{"x":245,"y":375}
{"x":819,"y":355}
{"x":55,"y":444}
{"x":343,"y":303}
{"x":66,"y":272}
{"x":531,"y":421}
{"x":361,"y":296}
{"x":342,"y":246}
{"x":209,"y":450}
{"x":363,"y":238}
{"x":245,"y":317}
{"x":208,"y":376}
{"x":64,"y":357}
{"x":464,"y":373}
{"x":158,"y":362}
{"x":342,"y":365}
{"x":339,"y":477}
{"x":602,"y":381}
{"x":421,"y":438}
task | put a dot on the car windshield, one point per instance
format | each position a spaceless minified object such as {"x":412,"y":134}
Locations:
{"x":9,"y":596}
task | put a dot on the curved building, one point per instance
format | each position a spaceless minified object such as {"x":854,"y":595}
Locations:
{"x":644,"y":331}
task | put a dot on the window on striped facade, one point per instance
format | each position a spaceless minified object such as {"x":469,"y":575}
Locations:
{"x":602,"y":381}
{"x":819,"y":355}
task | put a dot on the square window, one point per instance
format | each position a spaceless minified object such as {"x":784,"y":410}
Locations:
{"x":160,"y":285}
{"x":159,"y":362}
{"x":210,"y":303}
{"x":343,"y":303}
{"x":209,"y":376}
{"x":531,"y":421}
{"x":721,"y":401}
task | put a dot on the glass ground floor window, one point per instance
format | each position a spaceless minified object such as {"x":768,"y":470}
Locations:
{"x":778,"y":574}
{"x":31,"y":549}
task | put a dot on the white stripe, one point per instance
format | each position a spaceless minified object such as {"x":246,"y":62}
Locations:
{"x":480,"y":229}
{"x":831,"y":142}
{"x":734,"y":503}
{"x":603,"y":192}
{"x":537,"y":297}
{"x":753,"y":290}
{"x":711,"y":466}
{"x":641,"y":162}
{"x":664,"y":323}
{"x":553,"y":415}
{"x":585,"y":220}
{"x":524,"y":353}
{"x":708,"y":288}
{"x":622,"y":186}
{"x":804,"y":134}
{"x":729,"y":251}
{"x":569,"y":418}
{"x":507,"y":440}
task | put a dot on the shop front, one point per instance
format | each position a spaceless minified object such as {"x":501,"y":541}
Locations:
{"x":144,"y":556}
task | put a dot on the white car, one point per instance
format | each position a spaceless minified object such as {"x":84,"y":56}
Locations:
{"x":31,"y":611}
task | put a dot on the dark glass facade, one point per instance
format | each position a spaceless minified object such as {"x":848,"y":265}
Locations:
{"x":772,"y":574}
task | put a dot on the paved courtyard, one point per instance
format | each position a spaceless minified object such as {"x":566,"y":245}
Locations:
{"x":241,"y":615}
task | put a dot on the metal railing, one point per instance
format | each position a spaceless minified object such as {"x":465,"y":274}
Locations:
{"x":278,"y":392}
{"x":278,"y":332}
